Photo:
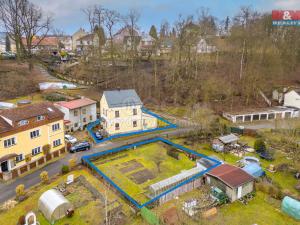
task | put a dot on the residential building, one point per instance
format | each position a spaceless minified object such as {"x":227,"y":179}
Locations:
{"x":78,"y":113}
{"x":124,"y":38}
{"x":65,"y":42}
{"x":232,"y":180}
{"x":292,"y":98}
{"x":24,"y":133}
{"x":48,"y":44}
{"x":78,"y":34}
{"x":86,"y":43}
{"x":204,"y":47}
{"x":146,"y":45}
{"x":121,"y":112}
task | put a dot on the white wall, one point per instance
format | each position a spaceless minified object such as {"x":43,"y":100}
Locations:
{"x":292,"y":99}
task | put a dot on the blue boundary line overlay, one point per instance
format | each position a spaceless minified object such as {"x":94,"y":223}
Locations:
{"x":92,"y":125}
{"x":89,"y":158}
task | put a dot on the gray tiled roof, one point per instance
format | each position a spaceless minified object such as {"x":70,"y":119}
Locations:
{"x":121,"y":98}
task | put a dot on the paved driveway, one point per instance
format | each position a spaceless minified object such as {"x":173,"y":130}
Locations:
{"x":7,"y":190}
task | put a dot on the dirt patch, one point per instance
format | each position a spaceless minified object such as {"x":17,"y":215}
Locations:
{"x":130,"y":166}
{"x":142,"y":176}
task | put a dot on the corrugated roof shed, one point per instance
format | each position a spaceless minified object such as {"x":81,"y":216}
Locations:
{"x":231,"y":175}
{"x":121,"y":98}
{"x":228,"y":138}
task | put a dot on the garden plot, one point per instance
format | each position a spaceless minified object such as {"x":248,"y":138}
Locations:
{"x":134,"y":170}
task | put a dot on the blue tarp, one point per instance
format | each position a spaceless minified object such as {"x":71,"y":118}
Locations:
{"x":254,"y":169}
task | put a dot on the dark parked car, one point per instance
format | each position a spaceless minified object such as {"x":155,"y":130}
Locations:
{"x":266,"y":156}
{"x":81,"y":146}
{"x":98,"y":135}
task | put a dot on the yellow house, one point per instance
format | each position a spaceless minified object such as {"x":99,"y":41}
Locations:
{"x":121,"y":112}
{"x":24,"y":133}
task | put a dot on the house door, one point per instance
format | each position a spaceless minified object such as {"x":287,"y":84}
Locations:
{"x":4,"y":166}
{"x":239,"y":194}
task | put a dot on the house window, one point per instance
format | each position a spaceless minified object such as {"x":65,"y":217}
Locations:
{"x":19,"y":158}
{"x":75,"y":124}
{"x":55,"y":127}
{"x":134,"y":123}
{"x":56,"y":143}
{"x":117,"y":114}
{"x":36,"y":151}
{"x":91,"y":118}
{"x":39,"y":118}
{"x":23,"y":122}
{"x":134,"y":112}
{"x":35,"y":133}
{"x":117,"y":126}
{"x":84,"y":120}
{"x":75,"y":112}
{"x":9,"y":142}
{"x":83,"y":111}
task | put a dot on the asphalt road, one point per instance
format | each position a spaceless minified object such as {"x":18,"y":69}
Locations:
{"x":7,"y":190}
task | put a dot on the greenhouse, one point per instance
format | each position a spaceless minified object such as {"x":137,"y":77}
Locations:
{"x":53,"y":205}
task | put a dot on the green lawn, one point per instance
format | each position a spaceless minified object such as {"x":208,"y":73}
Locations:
{"x":85,"y":215}
{"x":145,"y":155}
{"x":286,"y":181}
{"x":261,"y":210}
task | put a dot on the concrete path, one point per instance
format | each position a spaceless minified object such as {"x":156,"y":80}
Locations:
{"x":7,"y":190}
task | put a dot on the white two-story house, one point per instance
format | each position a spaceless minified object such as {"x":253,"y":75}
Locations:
{"x":121,"y":112}
{"x":78,"y":113}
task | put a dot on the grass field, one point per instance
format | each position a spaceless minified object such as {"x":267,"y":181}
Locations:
{"x":262,"y":210}
{"x":134,"y":170}
{"x":88,"y":214}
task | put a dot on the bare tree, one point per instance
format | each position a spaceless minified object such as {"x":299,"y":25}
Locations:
{"x":10,"y":19}
{"x":111,"y":18}
{"x":131,"y":23}
{"x":22,"y":18}
{"x":33,"y":24}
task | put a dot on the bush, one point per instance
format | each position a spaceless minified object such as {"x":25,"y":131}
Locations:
{"x":173,"y":153}
{"x":65,"y":169}
{"x":46,"y":149}
{"x":44,"y":177}
{"x":20,"y":190}
{"x":27,"y":158}
{"x":54,"y":97}
{"x":259,"y":145}
{"x":283,"y":167}
{"x":72,"y":163}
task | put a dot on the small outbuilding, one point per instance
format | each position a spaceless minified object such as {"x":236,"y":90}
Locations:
{"x":232,"y":180}
{"x":219,"y":143}
{"x":54,"y":205}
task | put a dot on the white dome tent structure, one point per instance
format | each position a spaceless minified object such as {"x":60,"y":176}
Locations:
{"x":53,"y":205}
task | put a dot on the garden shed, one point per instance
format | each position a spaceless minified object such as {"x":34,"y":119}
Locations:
{"x":53,"y":205}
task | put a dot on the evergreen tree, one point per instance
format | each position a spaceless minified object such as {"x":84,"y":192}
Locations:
{"x":226,"y":26}
{"x":153,"y":32}
{"x":7,"y":44}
